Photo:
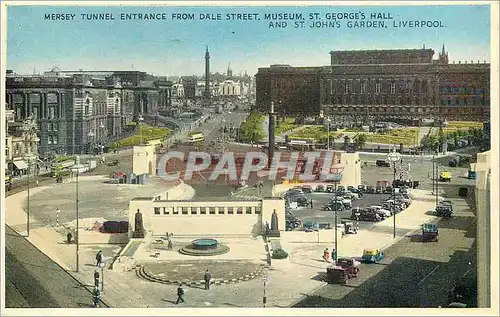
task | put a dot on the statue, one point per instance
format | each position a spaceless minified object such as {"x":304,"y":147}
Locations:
{"x":274,"y":225}
{"x":139,"y":231}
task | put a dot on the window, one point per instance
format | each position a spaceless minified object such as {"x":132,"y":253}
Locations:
{"x":52,"y":113}
{"x":249,"y":210}
{"x":166,"y":210}
{"x":363,"y":88}
{"x":211,"y":210}
{"x":49,"y":126}
{"x":257,"y":210}
{"x":203,"y":210}
{"x":347,"y":88}
{"x":185,"y":210}
{"x":157,"y":210}
{"x":220,"y":210}
{"x":393,"y":88}
{"x":331,"y":87}
{"x":377,"y":88}
{"x":239,"y":211}
{"x":49,"y":139}
{"x":194,"y":211}
{"x":230,"y":210}
{"x":55,"y":139}
{"x":175,"y":211}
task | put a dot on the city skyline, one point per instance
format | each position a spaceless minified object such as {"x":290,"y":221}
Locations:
{"x":35,"y":43}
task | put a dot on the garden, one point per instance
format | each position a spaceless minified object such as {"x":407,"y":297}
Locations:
{"x":147,"y":133}
{"x":251,"y":129}
{"x":407,"y":136}
{"x":284,"y":125}
{"x":318,"y":133}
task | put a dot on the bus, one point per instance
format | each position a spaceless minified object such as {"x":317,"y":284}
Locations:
{"x":196,"y":137}
{"x":301,"y":144}
{"x":57,"y":167}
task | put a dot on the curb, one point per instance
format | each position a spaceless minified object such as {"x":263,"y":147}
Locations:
{"x":142,"y":273}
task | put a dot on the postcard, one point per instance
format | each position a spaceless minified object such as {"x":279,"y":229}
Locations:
{"x":227,"y":156}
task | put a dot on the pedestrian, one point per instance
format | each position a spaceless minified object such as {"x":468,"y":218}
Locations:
{"x":170,"y":245}
{"x":37,"y":183}
{"x":326,"y":254}
{"x":311,"y":204}
{"x":334,"y":255}
{"x":428,"y":174}
{"x":97,"y":296}
{"x":98,"y":258}
{"x":69,"y":236}
{"x":96,"y":278}
{"x":207,"y":278}
{"x":180,"y":294}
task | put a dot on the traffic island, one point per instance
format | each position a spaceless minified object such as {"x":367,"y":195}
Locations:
{"x":190,"y":273}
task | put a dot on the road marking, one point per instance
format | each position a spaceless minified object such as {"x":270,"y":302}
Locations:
{"x":427,"y":276}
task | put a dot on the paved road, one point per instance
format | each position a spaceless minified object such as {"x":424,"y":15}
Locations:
{"x":413,"y":274}
{"x":33,"y":280}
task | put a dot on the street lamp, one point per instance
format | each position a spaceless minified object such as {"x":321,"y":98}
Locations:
{"x":336,"y":170}
{"x":328,"y":133}
{"x":141,"y":119}
{"x":76,"y":169}
{"x":394,"y":157}
{"x":28,"y":158}
{"x":101,"y":126}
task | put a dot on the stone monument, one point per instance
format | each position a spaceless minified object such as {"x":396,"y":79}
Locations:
{"x":139,"y":231}
{"x":274,"y":225}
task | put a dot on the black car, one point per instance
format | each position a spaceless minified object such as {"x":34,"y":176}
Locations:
{"x":303,"y":202}
{"x":350,"y":188}
{"x":340,"y":188}
{"x":307,"y":189}
{"x":444,"y":211}
{"x":362,"y":188}
{"x":357,"y":191}
{"x":320,"y":189}
{"x":365,"y":215}
{"x":388,"y":190}
{"x":370,"y":190}
{"x":379,"y":190}
{"x":330,"y":189}
{"x":382,"y":163}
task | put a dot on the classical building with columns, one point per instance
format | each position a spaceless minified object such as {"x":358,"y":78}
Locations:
{"x":381,"y":83}
{"x":80,"y":111}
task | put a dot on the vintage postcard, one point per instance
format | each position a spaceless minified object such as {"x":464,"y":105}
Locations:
{"x":234,"y":155}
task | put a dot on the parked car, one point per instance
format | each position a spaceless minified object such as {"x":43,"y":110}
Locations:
{"x":334,"y":206}
{"x":350,"y":188}
{"x":379,"y":190}
{"x":320,"y":189}
{"x":365,"y":215}
{"x":387,"y":190}
{"x":330,"y":189}
{"x":340,"y":188}
{"x":362,"y":188}
{"x":447,"y":202}
{"x":307,"y":189}
{"x":310,"y":226}
{"x":297,"y":188}
{"x":352,"y":195}
{"x":384,"y":213}
{"x":370,"y":190}
{"x":358,"y":192}
{"x":382,"y":163}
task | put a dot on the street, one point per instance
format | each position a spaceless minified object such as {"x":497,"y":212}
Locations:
{"x":32,"y":279}
{"x":413,"y":274}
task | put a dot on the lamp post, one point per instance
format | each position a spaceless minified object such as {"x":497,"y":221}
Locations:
{"x":328,"y":133}
{"x":101,"y":126}
{"x":76,"y":170}
{"x":28,"y":158}
{"x":394,"y":157}
{"x":337,"y":177}
{"x":437,"y":181}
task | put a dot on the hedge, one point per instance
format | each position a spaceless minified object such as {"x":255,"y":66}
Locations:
{"x":147,"y":133}
{"x":279,"y":254}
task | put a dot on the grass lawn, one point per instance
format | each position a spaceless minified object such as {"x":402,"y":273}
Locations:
{"x":147,"y":133}
{"x":407,"y":136}
{"x":284,"y":126}
{"x":314,"y":132}
{"x":464,"y":125}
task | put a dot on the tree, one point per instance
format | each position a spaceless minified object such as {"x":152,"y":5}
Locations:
{"x":361,"y":140}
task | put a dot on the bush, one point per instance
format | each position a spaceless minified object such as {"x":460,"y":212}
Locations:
{"x":280,"y":254}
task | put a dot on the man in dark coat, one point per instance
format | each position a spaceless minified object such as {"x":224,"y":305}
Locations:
{"x":207,"y":278}
{"x":180,"y":294}
{"x":96,"y":278}
{"x":98,"y":258}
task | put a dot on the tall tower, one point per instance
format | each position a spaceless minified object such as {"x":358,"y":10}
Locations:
{"x":443,"y":56}
{"x":229,"y":71}
{"x":207,"y":76}
{"x":271,"y":144}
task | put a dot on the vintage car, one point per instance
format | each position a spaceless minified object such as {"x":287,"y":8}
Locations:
{"x":372,"y":255}
{"x":444,"y":210}
{"x":362,"y":188}
{"x":320,"y":189}
{"x":342,"y":272}
{"x":350,"y":227}
{"x":330,"y":189}
{"x":430,"y":232}
{"x":307,"y":189}
{"x":370,"y":190}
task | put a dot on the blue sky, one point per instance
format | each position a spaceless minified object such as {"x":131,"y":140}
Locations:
{"x":170,"y":47}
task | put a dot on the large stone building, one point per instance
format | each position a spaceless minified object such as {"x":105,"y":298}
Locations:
{"x":380,"y":83}
{"x":78,"y":111}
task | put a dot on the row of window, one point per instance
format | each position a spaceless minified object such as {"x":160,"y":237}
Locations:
{"x":52,"y":139}
{"x":464,"y":101}
{"x":462,"y":90}
{"x":35,"y":112}
{"x":206,"y":210}
{"x":378,"y":88}
{"x":363,"y":100}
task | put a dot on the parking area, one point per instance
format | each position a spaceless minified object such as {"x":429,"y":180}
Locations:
{"x":320,"y":199}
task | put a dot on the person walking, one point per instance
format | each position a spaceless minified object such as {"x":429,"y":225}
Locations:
{"x":98,"y":258}
{"x":207,"y":278}
{"x":334,"y":256}
{"x":311,"y":204}
{"x":96,"y":296}
{"x":180,"y":295}
{"x":96,"y":278}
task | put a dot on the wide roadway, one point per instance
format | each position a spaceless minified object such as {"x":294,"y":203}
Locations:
{"x":33,"y":280}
